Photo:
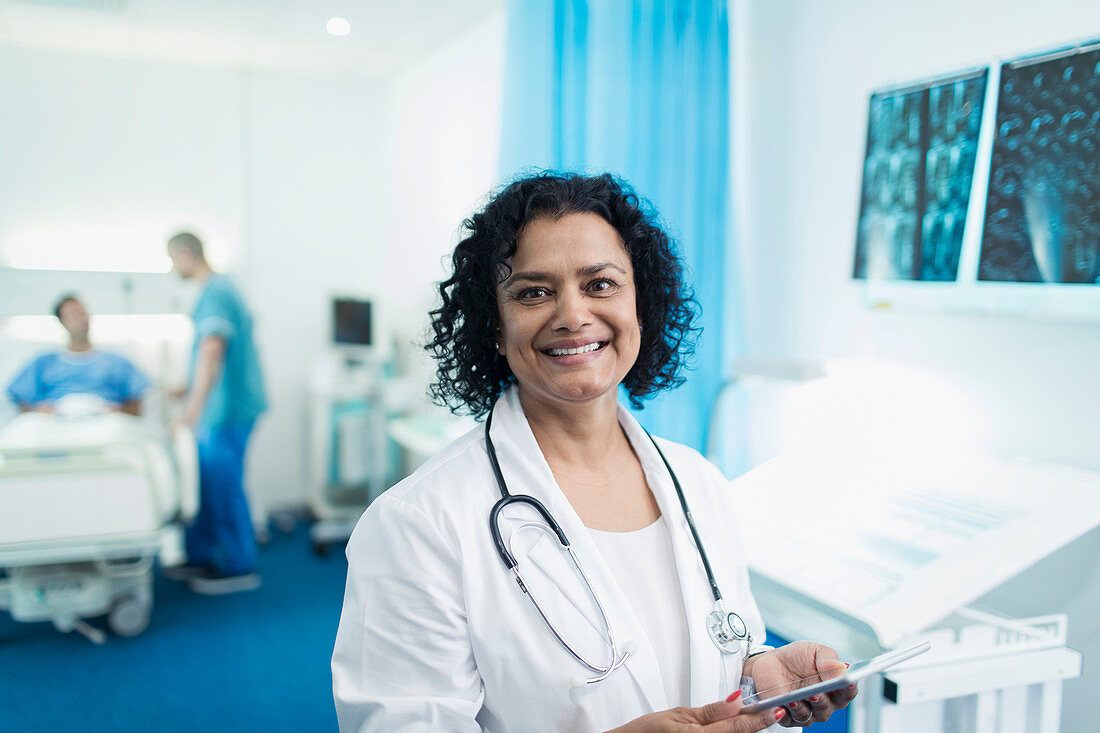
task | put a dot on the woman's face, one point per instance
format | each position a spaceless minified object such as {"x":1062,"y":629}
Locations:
{"x":568,"y":316}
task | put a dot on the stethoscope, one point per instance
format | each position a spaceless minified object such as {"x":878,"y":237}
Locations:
{"x":727,"y":629}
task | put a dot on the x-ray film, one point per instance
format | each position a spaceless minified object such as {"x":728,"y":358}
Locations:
{"x":921,"y":146}
{"x":1042,"y":219}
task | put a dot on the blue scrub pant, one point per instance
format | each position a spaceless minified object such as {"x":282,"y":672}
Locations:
{"x":221,"y":535}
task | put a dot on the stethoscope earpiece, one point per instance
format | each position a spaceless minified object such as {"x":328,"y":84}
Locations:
{"x":580,"y":680}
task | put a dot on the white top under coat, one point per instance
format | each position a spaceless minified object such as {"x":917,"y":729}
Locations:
{"x":644,"y":562}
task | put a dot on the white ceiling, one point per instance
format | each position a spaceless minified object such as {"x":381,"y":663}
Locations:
{"x":385,"y":35}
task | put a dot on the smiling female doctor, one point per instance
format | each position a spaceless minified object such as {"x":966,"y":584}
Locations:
{"x":464,"y":609}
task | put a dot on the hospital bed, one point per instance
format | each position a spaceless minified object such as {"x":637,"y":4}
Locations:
{"x":87,"y":506}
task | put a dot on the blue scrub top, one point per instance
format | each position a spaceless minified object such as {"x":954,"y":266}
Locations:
{"x":238,"y":393}
{"x":52,"y":376}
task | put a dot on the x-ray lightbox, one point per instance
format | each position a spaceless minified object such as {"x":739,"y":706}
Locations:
{"x":981,"y":190}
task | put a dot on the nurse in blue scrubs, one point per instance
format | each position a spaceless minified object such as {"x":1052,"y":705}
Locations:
{"x":79,"y":369}
{"x":225,"y":396}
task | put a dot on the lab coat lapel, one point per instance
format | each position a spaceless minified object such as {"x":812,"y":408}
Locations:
{"x":705,"y":661}
{"x":526,"y":471}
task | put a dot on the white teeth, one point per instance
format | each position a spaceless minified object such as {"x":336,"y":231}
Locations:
{"x":579,"y":350}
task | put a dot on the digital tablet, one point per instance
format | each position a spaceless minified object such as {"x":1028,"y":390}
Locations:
{"x":808,"y":687}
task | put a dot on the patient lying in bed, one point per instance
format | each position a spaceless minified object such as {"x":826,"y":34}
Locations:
{"x":99,"y":380}
{"x":75,"y":468}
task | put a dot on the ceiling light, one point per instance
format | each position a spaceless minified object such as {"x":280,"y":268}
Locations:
{"x":338,"y":27}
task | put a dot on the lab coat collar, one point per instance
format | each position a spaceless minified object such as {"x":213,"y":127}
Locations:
{"x":512,"y":435}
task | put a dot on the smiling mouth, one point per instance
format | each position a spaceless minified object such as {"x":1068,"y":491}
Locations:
{"x":594,"y":346}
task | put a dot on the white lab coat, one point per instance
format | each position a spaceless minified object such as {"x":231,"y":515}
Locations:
{"x":436,"y":635}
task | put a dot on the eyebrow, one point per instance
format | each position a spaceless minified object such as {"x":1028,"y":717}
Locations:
{"x":540,"y":276}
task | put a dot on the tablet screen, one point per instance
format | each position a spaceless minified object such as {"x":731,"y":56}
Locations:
{"x":795,"y":690}
{"x":827,"y":681}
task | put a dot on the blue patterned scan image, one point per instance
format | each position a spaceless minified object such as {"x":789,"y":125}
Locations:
{"x":1042,"y":219}
{"x":921,"y":147}
{"x":954,"y":122}
{"x":888,"y":220}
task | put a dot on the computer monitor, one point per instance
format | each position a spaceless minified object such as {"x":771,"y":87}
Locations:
{"x":351,"y":321}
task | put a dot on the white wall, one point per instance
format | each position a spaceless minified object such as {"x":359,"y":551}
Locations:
{"x":442,"y":160}
{"x":314,"y":223}
{"x":358,"y":189}
{"x":100,"y":153}
{"x":807,"y":69}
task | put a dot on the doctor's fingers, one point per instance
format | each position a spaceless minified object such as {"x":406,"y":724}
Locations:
{"x":804,"y":712}
{"x":816,"y":709}
{"x":840,"y":698}
{"x":744,"y":723}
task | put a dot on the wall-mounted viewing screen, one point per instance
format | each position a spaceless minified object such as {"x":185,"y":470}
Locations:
{"x":351,"y":321}
{"x":1042,"y":218}
{"x":917,"y":175}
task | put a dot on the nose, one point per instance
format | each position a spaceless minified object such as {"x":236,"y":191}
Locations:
{"x":572,"y":312}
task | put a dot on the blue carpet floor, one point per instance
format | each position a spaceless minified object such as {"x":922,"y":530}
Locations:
{"x":256,"y":661}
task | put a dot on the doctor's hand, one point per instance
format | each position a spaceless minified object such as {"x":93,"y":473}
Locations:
{"x":793,"y":662}
{"x":718,"y":717}
{"x":189,"y":418}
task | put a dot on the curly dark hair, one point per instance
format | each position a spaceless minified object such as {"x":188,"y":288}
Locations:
{"x":471,"y":374}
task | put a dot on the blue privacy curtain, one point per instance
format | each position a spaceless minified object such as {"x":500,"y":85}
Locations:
{"x":638,"y":88}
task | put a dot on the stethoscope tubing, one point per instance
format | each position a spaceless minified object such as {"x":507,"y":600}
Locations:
{"x":503,"y":550}
{"x":506,"y":498}
{"x":690,"y":520}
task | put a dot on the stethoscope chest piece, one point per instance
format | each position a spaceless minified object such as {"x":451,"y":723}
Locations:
{"x":728,"y":631}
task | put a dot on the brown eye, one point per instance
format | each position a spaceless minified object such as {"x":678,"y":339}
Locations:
{"x":533,"y":293}
{"x":602,"y":285}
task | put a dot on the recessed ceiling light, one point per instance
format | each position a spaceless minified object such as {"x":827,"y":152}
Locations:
{"x":338,"y":27}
